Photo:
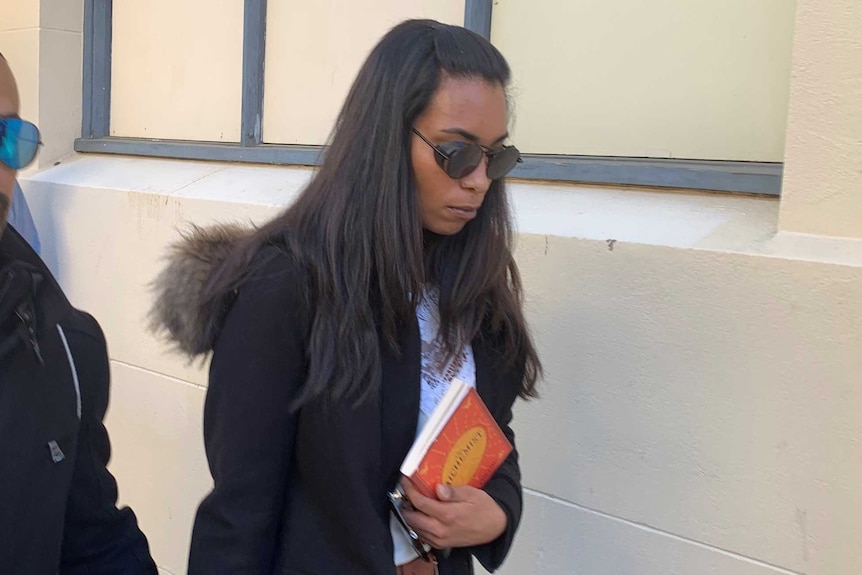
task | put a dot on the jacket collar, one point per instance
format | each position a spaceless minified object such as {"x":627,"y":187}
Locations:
{"x":27,"y":305}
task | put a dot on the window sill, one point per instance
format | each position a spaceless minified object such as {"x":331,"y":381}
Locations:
{"x":678,"y":219}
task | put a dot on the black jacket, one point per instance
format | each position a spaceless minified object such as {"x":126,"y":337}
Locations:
{"x":305,"y":493}
{"x":58,"y":509}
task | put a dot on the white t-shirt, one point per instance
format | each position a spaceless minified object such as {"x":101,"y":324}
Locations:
{"x":436,"y":375}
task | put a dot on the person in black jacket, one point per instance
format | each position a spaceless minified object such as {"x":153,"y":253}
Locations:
{"x":58,"y":511}
{"x":336,"y":327}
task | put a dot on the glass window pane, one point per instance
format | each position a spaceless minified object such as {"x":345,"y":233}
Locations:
{"x":667,"y":79}
{"x":315,"y":49}
{"x":177,"y":69}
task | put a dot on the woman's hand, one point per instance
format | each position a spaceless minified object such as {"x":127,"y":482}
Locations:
{"x":459,"y":517}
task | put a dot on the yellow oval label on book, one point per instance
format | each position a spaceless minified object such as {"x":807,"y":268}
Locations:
{"x":465,"y":457}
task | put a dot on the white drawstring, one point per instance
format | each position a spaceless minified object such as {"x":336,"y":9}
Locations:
{"x":72,"y":366}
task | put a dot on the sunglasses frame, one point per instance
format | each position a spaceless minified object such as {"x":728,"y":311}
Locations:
{"x":13,"y":163}
{"x":444,"y":158}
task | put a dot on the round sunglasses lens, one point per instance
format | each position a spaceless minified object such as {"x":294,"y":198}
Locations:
{"x":502,"y":162}
{"x":464,"y":160}
{"x":28,"y":144}
{"x":8,"y":145}
{"x":19,"y":144}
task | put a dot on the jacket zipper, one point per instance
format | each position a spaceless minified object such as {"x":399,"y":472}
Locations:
{"x":9,"y":277}
{"x":26,"y":318}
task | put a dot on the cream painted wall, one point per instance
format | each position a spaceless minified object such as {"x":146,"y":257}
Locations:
{"x":315,"y":49}
{"x":822,"y":188}
{"x":42,"y":41}
{"x":174,"y":73}
{"x":20,"y":46}
{"x":664,"y":79}
{"x":701,"y":412}
{"x":19,"y":15}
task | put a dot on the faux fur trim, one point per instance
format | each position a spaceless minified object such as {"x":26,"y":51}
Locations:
{"x":180,"y":313}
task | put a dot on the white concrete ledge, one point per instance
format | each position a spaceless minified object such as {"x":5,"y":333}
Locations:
{"x":721,"y":222}
{"x":668,"y":218}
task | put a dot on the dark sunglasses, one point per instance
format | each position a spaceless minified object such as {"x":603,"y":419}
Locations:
{"x":458,"y":159}
{"x":19,"y":142}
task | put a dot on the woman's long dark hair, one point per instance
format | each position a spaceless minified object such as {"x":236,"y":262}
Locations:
{"x":358,"y":231}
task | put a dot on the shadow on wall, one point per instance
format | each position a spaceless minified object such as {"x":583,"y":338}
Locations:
{"x":45,"y":207}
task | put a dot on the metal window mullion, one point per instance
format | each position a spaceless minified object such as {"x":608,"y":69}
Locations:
{"x":477,"y":17}
{"x":96,"y":109}
{"x":253,"y":53}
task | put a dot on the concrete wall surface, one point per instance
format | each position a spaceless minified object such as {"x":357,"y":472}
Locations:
{"x":823,"y":159}
{"x":43,"y":41}
{"x":701,"y":411}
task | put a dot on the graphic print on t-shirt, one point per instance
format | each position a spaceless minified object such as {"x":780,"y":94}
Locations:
{"x":436,"y":371}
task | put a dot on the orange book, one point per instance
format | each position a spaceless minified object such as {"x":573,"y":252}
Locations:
{"x":460,"y":445}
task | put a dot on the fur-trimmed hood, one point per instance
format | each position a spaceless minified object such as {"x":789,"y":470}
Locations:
{"x":181,"y":312}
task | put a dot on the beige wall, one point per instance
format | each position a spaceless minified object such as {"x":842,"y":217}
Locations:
{"x":664,"y":79}
{"x":703,"y":387}
{"x":701,"y":412}
{"x":42,"y":41}
{"x":823,"y":161}
{"x":177,"y":69}
{"x":19,"y":43}
{"x":315,"y":49}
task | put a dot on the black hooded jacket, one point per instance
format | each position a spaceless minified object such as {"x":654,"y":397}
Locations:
{"x":58,"y":511}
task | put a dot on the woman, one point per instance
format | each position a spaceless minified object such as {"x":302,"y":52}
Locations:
{"x":326,"y":356}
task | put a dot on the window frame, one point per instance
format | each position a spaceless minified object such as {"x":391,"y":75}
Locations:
{"x":762,"y":178}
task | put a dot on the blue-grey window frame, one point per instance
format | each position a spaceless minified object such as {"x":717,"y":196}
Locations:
{"x":721,"y":176}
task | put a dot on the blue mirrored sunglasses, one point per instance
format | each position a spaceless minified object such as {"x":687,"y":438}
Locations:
{"x":19,"y":142}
